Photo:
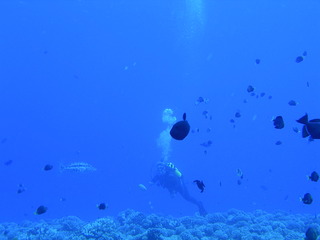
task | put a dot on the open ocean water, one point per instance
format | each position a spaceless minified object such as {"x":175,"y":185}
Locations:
{"x":90,"y":90}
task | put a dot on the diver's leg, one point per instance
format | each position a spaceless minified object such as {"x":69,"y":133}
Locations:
{"x":185,"y":194}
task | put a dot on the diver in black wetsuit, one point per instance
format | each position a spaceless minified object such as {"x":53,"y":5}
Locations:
{"x":169,"y":177}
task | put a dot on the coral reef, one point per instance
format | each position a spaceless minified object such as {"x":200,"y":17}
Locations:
{"x":133,"y":225}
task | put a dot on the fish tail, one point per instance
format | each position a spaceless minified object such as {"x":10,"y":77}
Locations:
{"x":304,"y":119}
{"x":305,"y":132}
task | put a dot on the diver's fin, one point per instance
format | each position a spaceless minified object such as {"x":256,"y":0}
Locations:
{"x":304,"y":119}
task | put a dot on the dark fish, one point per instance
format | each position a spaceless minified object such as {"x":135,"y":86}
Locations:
{"x":270,"y":97}
{"x":240,"y":173}
{"x":314,"y":176}
{"x":41,"y":210}
{"x":205,"y":113}
{"x":102,"y":206}
{"x":180,"y":129}
{"x":250,"y":89}
{"x":292,"y":103}
{"x":239,"y":182}
{"x":295,"y":129}
{"x":299,"y":59}
{"x":201,"y":100}
{"x":278,"y":122}
{"x":311,"y":234}
{"x":305,"y":53}
{"x":308,"y":85}
{"x":278,"y":142}
{"x":232,"y":121}
{"x":310,"y":128}
{"x":206,"y":144}
{"x":8,"y":163}
{"x":258,"y":61}
{"x":20,"y":190}
{"x":47,"y":167}
{"x":262,"y":94}
{"x":307,"y":198}
{"x":237,"y":114}
{"x":200,"y":184}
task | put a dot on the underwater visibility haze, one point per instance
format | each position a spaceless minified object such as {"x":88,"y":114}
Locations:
{"x":183,"y":119}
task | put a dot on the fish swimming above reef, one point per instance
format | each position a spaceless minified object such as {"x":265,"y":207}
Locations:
{"x":78,"y":167}
{"x":102,"y":206}
{"x":307,"y":198}
{"x":314,"y":176}
{"x":200,"y":184}
{"x":250,"y":89}
{"x":47,"y":167}
{"x":41,"y":210}
{"x":201,"y":100}
{"x":311,"y":128}
{"x":180,"y":129}
{"x":278,"y":122}
{"x":299,"y":59}
{"x":206,"y":144}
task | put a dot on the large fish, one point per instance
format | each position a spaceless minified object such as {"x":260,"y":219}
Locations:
{"x":311,"y":128}
{"x":180,"y":129}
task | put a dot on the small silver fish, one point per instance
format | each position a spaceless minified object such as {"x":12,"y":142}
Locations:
{"x":78,"y":167}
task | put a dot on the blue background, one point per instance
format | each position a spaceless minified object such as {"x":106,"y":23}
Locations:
{"x":87,"y":81}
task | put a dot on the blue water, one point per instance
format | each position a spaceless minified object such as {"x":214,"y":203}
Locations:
{"x":88,"y":81}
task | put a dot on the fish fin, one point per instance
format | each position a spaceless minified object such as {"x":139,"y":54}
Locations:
{"x":315,"y":120}
{"x":305,"y":132}
{"x":311,"y":139}
{"x":184,"y":116}
{"x":304,"y":119}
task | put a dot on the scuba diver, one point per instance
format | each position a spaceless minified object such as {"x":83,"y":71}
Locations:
{"x":169,"y":177}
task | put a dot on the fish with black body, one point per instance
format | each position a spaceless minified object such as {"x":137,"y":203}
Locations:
{"x":278,"y":122}
{"x":41,"y":210}
{"x":200,"y":184}
{"x":250,"y":89}
{"x":310,"y":128}
{"x":102,"y":206}
{"x":314,"y":177}
{"x":292,"y":103}
{"x":311,"y":234}
{"x":307,"y":198}
{"x":47,"y":167}
{"x":180,"y":129}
